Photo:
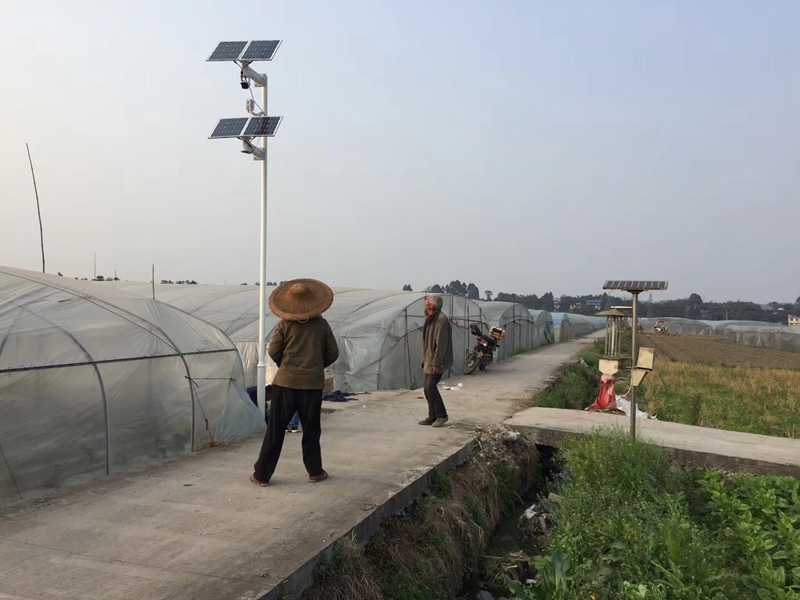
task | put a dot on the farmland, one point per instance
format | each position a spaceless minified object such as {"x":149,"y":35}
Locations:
{"x":712,"y":350}
{"x":710,"y":383}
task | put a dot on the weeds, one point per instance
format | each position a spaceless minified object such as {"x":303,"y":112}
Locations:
{"x":748,"y":399}
{"x":440,"y":485}
{"x":630,"y":524}
{"x":426,"y":553}
{"x":576,"y":388}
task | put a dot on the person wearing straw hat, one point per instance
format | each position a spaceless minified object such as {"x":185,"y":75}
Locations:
{"x":302,"y":346}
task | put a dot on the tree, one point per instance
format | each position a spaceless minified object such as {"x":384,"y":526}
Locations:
{"x":243,"y":284}
{"x":797,"y":301}
{"x":100,"y":278}
{"x":473,"y":293}
{"x":59,"y":274}
{"x":407,"y":288}
{"x":489,"y":294}
{"x":436,"y":289}
{"x":547,"y":302}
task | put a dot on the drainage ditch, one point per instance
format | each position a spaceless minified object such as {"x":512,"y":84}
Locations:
{"x":461,"y":540}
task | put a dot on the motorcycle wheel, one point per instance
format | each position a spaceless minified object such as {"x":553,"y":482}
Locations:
{"x":472,"y":362}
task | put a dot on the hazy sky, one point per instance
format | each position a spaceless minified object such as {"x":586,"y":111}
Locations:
{"x":525,"y":146}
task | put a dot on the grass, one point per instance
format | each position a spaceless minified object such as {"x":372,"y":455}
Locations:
{"x":577,"y":386}
{"x":426,"y":553}
{"x":748,"y":399}
{"x":630,"y":524}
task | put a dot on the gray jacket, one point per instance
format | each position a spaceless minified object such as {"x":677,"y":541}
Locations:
{"x":437,"y":343}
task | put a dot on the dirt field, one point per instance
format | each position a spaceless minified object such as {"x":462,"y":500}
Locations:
{"x":705,"y":349}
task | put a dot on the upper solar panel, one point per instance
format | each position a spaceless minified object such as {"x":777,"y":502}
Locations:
{"x":635,"y":285}
{"x":261,"y":50}
{"x":249,"y":51}
{"x":227,"y":51}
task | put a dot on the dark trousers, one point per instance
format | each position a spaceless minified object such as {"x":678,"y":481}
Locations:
{"x":285,"y":401}
{"x":436,"y":409}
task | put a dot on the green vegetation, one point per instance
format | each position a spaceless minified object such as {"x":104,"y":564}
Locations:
{"x":577,"y":386}
{"x":630,"y":524}
{"x":748,"y":399}
{"x":426,"y":553}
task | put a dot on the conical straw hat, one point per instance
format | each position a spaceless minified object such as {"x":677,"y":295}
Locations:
{"x":300,"y":299}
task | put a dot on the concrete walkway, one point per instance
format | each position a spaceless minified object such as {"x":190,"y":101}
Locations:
{"x":196,"y":528}
{"x":695,"y":446}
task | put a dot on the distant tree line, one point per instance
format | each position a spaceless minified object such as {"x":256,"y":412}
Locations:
{"x":692,"y":307}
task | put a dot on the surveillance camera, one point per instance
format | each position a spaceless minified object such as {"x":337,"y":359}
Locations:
{"x":245,"y":84}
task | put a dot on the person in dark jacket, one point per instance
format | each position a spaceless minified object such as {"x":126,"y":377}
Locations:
{"x":302,"y":346}
{"x":437,"y":357}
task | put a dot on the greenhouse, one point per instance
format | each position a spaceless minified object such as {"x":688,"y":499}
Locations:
{"x":523,"y":331}
{"x":544,"y":326}
{"x":379,"y":332}
{"x":581,"y":325}
{"x":562,"y":328}
{"x":96,"y":383}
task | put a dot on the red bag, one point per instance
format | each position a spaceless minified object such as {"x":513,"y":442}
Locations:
{"x":606,"y":399}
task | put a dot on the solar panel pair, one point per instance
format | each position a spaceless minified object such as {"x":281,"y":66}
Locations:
{"x":246,"y":127}
{"x":634,"y":285}
{"x":256,"y":50}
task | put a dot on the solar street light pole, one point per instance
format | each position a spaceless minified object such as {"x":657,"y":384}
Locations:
{"x":635,"y":304}
{"x":261,"y":393}
{"x":246,"y":129}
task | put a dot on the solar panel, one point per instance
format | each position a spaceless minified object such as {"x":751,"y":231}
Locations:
{"x":228,"y":128}
{"x":636,"y":285}
{"x":261,"y":50}
{"x":227,"y":51}
{"x":262,"y":126}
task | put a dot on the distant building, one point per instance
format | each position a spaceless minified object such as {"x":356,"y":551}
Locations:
{"x":794,"y":321}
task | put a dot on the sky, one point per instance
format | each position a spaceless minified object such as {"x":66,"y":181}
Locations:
{"x":524,"y":146}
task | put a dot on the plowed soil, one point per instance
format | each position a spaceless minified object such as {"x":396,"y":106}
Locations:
{"x":706,"y":349}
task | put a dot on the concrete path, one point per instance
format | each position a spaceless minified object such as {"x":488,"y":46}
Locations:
{"x":197,"y":528}
{"x":696,"y":446}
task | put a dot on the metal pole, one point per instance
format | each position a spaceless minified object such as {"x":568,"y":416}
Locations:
{"x":633,"y":365}
{"x":262,"y":292}
{"x":38,"y":209}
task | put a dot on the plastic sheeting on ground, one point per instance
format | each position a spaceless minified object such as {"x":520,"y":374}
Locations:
{"x":525,"y":329}
{"x":96,"y":383}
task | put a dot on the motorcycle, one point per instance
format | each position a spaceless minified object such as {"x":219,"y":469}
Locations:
{"x":483,"y":352}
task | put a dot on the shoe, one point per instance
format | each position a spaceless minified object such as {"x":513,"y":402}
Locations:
{"x":427,"y":421}
{"x":293,"y":429}
{"x":317,"y":478}
{"x":257,"y":482}
{"x":440,"y":422}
